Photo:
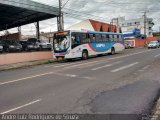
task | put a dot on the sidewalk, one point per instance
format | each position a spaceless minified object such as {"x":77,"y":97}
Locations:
{"x":24,"y":64}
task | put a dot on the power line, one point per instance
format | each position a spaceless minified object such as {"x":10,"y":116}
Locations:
{"x":65,"y":4}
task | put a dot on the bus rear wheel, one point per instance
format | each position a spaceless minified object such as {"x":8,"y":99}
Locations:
{"x":112,"y":51}
{"x":84,"y":55}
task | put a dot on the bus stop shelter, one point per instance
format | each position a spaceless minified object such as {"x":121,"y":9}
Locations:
{"x":15,"y":13}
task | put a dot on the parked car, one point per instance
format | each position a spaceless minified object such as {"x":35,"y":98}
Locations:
{"x":1,"y":47}
{"x":28,"y":46}
{"x":127,"y":45}
{"x":41,"y":43}
{"x":11,"y":45}
{"x":153,"y":44}
{"x":159,"y":43}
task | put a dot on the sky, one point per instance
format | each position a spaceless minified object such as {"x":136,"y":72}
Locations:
{"x":102,"y":10}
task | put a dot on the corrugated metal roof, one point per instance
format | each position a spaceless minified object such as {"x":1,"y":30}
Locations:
{"x":14,"y":13}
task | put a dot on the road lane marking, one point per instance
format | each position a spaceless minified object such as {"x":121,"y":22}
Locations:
{"x":63,"y":65}
{"x":131,"y":54}
{"x":100,"y":62}
{"x":88,"y":65}
{"x":74,"y":76}
{"x":68,"y":64}
{"x":22,"y":79}
{"x":146,"y":67}
{"x":140,"y":70}
{"x":157,"y":56}
{"x":66,"y":75}
{"x":80,"y":64}
{"x":25,"y":105}
{"x":125,"y":67}
{"x":60,"y":65}
{"x":109,"y":65}
{"x":50,"y":73}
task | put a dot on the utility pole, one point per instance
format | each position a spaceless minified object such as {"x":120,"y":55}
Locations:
{"x":115,"y":21}
{"x":37,"y":30}
{"x":145,"y":27}
{"x":118,"y":25}
{"x":159,"y":34}
{"x":19,"y":32}
{"x":111,"y":26}
{"x":159,"y":31}
{"x":60,"y":20}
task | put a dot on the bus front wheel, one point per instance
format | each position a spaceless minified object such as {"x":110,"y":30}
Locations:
{"x":84,"y":55}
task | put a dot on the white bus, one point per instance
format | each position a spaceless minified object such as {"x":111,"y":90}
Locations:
{"x":78,"y":44}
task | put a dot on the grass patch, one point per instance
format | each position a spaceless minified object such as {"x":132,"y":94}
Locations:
{"x":49,"y":62}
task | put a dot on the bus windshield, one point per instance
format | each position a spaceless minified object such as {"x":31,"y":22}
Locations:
{"x":61,"y":41}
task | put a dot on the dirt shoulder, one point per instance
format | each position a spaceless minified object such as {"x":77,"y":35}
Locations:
{"x":25,"y":64}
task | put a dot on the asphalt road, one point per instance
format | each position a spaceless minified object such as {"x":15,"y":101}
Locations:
{"x":80,"y":86}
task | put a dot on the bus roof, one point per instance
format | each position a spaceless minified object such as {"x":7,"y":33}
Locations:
{"x":94,"y":32}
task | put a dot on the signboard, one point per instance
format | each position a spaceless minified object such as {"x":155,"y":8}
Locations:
{"x":136,"y":31}
{"x":61,"y":33}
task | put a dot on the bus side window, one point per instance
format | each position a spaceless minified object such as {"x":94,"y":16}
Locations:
{"x":107,"y":38}
{"x":104,"y":38}
{"x":85,"y":38}
{"x":92,"y":37}
{"x":120,"y":38}
{"x":115,"y":38}
{"x":111,"y":38}
{"x":76,"y":41}
{"x":98,"y":37}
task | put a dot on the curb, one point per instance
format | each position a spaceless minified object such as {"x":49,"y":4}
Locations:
{"x":25,"y":65}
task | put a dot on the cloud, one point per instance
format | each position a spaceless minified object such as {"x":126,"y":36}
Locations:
{"x":103,"y":10}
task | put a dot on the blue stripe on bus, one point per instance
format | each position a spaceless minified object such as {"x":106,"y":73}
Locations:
{"x":101,"y":46}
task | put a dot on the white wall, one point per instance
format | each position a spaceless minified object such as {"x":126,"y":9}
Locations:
{"x":84,"y":25}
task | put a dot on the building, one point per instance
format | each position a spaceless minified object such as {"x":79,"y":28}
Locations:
{"x":134,"y":25}
{"x":9,"y":36}
{"x":48,"y":36}
{"x":93,"y":25}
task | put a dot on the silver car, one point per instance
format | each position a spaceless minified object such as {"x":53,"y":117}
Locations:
{"x":153,"y":44}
